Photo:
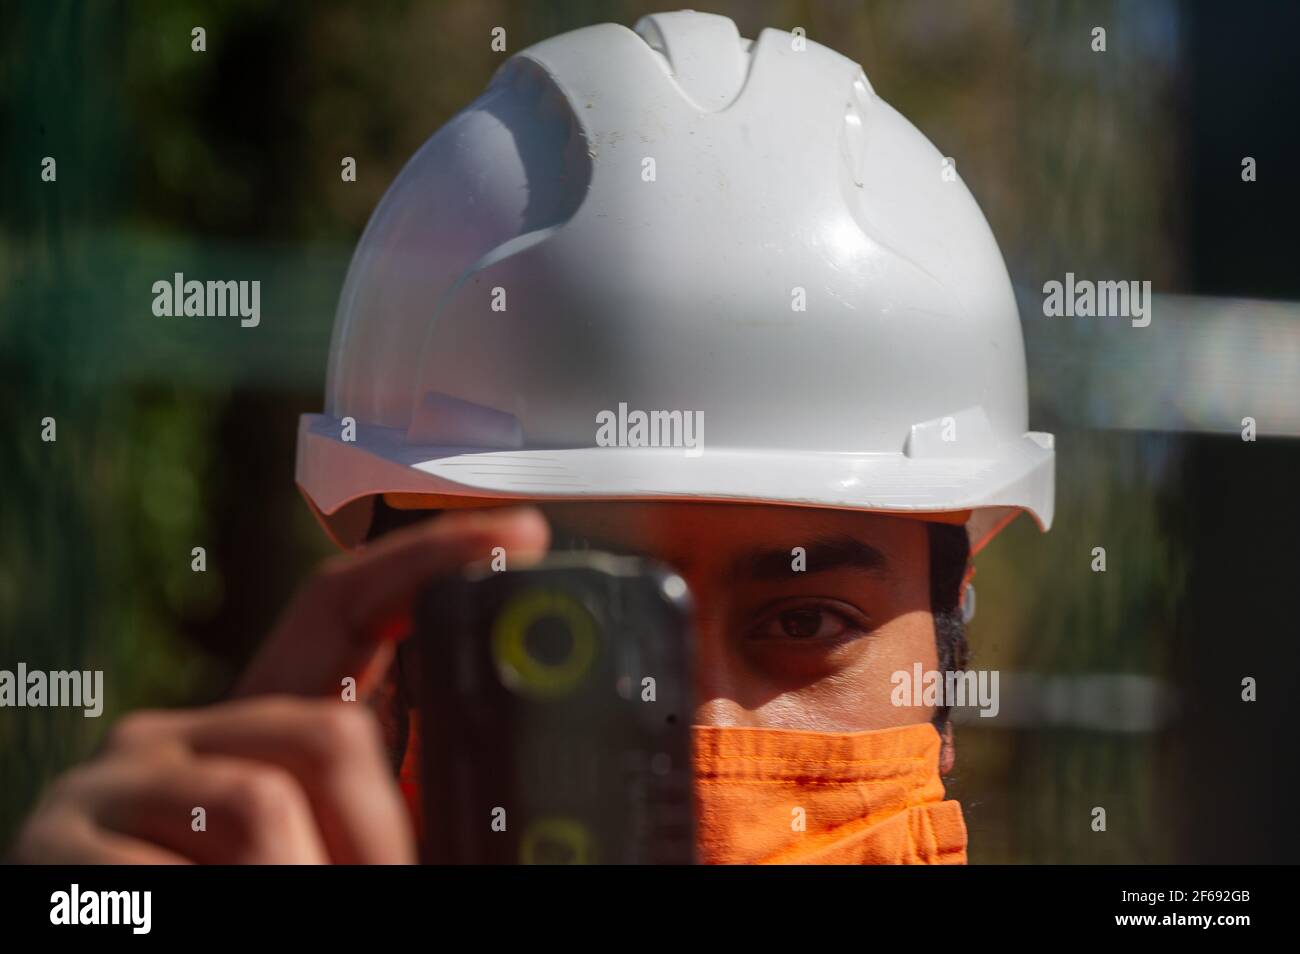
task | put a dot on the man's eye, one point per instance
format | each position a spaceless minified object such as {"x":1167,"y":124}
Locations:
{"x":805,"y":623}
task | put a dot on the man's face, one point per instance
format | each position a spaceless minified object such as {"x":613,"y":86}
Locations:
{"x":778,"y":647}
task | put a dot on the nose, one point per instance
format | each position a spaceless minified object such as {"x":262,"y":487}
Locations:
{"x":718,"y":676}
{"x":720,"y":711}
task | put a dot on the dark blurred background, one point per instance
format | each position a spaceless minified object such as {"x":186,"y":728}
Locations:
{"x":1120,"y":689}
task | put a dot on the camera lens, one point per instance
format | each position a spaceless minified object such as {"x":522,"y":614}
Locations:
{"x":543,"y":643}
{"x":556,"y":841}
{"x":549,"y":640}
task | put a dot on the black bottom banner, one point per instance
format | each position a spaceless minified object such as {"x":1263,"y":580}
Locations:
{"x":334,"y":905}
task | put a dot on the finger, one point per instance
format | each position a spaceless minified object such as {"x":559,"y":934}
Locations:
{"x":67,"y":837}
{"x":336,"y":752}
{"x":333,"y":750}
{"x":328,"y":632}
{"x":213,"y":810}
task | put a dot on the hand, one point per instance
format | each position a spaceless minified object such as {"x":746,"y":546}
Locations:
{"x":287,"y":773}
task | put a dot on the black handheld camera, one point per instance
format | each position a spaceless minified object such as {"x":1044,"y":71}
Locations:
{"x":555,"y":714}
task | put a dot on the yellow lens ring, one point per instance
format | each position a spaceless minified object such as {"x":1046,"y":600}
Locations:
{"x":572,"y":834}
{"x":523,"y":671}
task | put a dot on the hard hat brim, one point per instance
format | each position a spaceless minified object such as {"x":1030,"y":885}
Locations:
{"x":334,"y":473}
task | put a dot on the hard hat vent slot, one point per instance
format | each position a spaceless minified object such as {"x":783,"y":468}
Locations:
{"x":704,"y":52}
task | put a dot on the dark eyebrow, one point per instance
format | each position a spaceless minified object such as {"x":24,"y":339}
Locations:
{"x":823,"y":554}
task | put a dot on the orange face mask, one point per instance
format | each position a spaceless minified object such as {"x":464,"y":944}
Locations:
{"x":866,"y":797}
{"x":783,"y":796}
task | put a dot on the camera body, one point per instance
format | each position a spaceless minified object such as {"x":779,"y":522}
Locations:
{"x":555,"y":711}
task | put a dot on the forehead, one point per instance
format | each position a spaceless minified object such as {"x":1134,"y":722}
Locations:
{"x":690,"y":532}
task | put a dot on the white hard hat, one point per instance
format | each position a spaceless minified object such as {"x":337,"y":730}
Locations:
{"x":677,"y":219}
